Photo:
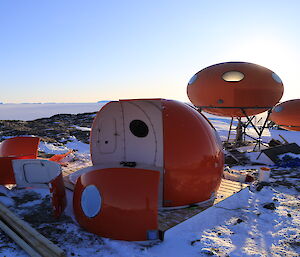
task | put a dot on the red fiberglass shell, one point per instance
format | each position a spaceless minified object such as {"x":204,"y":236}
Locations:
{"x":118,"y":203}
{"x":193,"y":156}
{"x":224,"y":88}
{"x":287,"y":115}
{"x":7,"y":175}
{"x":20,"y":147}
{"x":15,"y":148}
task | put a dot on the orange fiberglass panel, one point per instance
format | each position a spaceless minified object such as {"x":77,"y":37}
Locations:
{"x":224,"y":88}
{"x":193,"y":156}
{"x":58,"y":157}
{"x":58,"y":192}
{"x":7,"y":175}
{"x":287,"y":115}
{"x":20,"y":146}
{"x":118,"y":203}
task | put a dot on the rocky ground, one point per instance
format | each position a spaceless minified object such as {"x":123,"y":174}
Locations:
{"x":56,"y":129}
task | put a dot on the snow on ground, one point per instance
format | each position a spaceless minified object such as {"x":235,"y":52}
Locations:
{"x":262,"y":221}
{"x":242,"y":225}
{"x":222,"y":125}
{"x":290,"y":136}
{"x":82,"y":128}
{"x":78,"y":146}
{"x":51,"y":148}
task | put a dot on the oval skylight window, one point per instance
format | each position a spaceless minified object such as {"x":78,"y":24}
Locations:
{"x":278,"y":109}
{"x":193,"y":79}
{"x":276,"y":78}
{"x":233,"y":76}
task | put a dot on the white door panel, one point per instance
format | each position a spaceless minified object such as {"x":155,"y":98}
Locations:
{"x":143,"y":129}
{"x":30,"y":172}
{"x":107,"y":138}
{"x":107,"y":135}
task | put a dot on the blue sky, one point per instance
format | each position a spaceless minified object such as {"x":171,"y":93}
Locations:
{"x":86,"y":51}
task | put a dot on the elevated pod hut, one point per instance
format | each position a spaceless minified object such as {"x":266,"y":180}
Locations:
{"x":287,"y":115}
{"x":147,"y":154}
{"x":236,"y":90}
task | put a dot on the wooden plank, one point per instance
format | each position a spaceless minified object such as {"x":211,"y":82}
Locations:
{"x":227,"y":191}
{"x":16,"y":238}
{"x":232,"y":186}
{"x":171,"y":218}
{"x":226,"y":182}
{"x":231,"y":189}
{"x":67,"y":172}
{"x":37,"y":241}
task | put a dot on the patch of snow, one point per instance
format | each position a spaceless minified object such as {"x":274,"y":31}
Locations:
{"x":50,"y":148}
{"x":82,"y":128}
{"x":292,"y":155}
{"x":252,"y":229}
{"x":78,"y":145}
{"x":290,"y":136}
{"x":222,"y":125}
{"x":75,"y":144}
{"x":182,"y":240}
{"x":259,"y":157}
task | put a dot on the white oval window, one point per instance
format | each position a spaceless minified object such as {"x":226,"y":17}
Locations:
{"x":193,"y":79}
{"x":278,"y":109}
{"x":233,"y":76}
{"x":91,"y":201}
{"x":276,"y":78}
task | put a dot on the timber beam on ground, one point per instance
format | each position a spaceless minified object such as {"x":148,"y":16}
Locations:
{"x":30,"y":240}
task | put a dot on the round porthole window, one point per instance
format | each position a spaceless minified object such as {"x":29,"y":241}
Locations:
{"x":91,"y":201}
{"x":233,"y":76}
{"x":139,"y":128}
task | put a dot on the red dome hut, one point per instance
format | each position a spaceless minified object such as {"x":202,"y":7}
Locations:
{"x":146,"y":154}
{"x":235,"y":89}
{"x":287,"y":115}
